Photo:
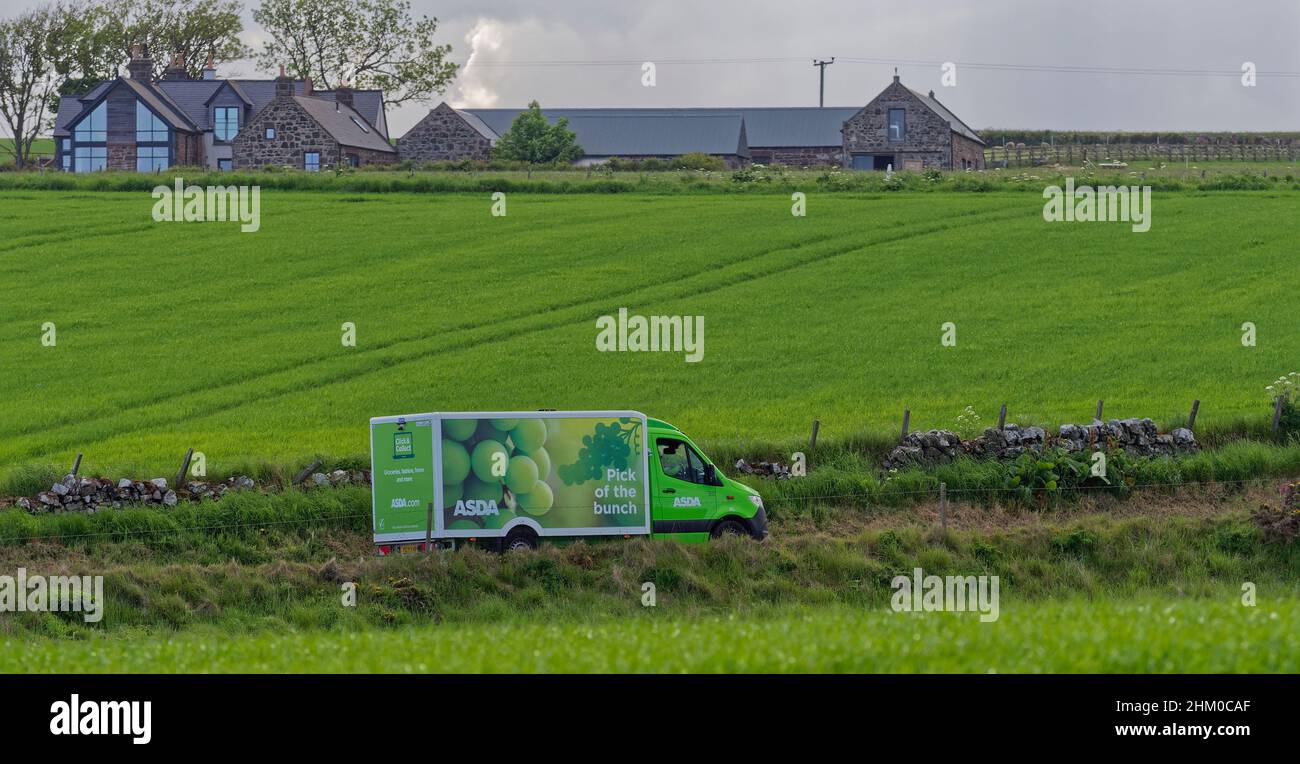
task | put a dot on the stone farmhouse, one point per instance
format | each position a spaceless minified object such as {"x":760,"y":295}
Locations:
{"x":899,"y":128}
{"x":137,"y":123}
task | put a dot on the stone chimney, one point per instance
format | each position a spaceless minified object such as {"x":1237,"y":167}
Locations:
{"x":306,"y":86}
{"x":176,"y":69}
{"x":141,"y":66}
{"x":210,"y":69}
{"x":895,"y":75}
{"x":931,"y":95}
{"x":343,"y":95}
{"x":283,"y":85}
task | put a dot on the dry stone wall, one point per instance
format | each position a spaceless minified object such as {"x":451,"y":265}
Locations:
{"x":1136,"y":437}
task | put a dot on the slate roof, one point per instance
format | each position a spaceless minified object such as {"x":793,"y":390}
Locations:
{"x":161,"y":103}
{"x":186,"y":100}
{"x":337,"y":120}
{"x":479,"y":125}
{"x":71,"y":107}
{"x":764,"y":127}
{"x":629,"y":136}
{"x":957,"y":125}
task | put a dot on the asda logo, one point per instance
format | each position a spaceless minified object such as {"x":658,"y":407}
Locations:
{"x":686,"y":501}
{"x":476,"y":508}
{"x":403,"y":445}
{"x":404,"y":503}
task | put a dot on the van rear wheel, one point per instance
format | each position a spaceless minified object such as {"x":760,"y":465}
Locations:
{"x":520,"y":540}
{"x":729,"y":528}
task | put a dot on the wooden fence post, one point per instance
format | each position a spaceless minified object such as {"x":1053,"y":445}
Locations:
{"x":943,"y":507}
{"x":812,"y":442}
{"x":907,"y":418}
{"x":301,"y":476}
{"x":1277,"y":414}
{"x":1191,"y":418}
{"x":1002,"y":418}
{"x":76,"y":465}
{"x":428,"y":528}
{"x":185,"y":466}
{"x":1100,"y":404}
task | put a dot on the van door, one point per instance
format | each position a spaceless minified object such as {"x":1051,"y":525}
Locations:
{"x":684,"y":502}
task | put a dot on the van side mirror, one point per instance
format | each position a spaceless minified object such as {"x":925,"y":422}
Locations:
{"x":711,"y":475}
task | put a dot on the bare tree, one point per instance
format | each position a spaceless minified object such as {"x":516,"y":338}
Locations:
{"x":30,"y":47}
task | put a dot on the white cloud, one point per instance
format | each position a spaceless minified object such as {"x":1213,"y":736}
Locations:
{"x":472,"y":88}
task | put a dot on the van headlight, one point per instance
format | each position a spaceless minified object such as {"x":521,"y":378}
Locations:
{"x":757,"y":500}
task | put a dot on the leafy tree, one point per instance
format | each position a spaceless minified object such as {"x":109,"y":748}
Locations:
{"x":363,"y":43}
{"x":98,"y":37}
{"x":532,"y":139}
{"x":29,"y":66}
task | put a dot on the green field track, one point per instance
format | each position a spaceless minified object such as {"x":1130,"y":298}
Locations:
{"x":172,"y":336}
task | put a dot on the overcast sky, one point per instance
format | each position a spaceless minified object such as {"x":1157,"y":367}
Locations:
{"x":1195,"y":35}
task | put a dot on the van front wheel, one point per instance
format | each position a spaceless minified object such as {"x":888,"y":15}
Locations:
{"x":728,"y":528}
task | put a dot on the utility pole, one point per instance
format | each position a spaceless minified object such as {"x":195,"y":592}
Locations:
{"x":821,"y":92}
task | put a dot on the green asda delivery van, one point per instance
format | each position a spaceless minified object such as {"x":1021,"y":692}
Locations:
{"x":510,"y":479}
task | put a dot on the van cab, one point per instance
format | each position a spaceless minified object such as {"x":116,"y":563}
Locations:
{"x":690,"y":499}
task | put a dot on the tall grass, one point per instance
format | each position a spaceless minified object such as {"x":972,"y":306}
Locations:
{"x":280,"y":561}
{"x":781,"y":181}
{"x":1141,"y":635}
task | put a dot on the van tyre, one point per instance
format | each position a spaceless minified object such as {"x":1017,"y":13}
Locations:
{"x":519,"y":541}
{"x":729,"y":528}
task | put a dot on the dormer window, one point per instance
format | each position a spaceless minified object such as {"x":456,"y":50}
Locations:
{"x":225,"y":124}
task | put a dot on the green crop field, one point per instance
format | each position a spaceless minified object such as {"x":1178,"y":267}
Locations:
{"x":1139,"y":636}
{"x":40,"y":147}
{"x":172,"y":335}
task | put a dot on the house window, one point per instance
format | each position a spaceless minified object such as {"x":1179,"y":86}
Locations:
{"x":226,"y":122}
{"x":225,"y":164}
{"x":270,"y":133}
{"x":94,"y":127}
{"x":311,"y":161}
{"x":897,"y":124}
{"x":67,"y":161}
{"x":354,"y":160}
{"x":90,"y":158}
{"x":151,"y":158}
{"x":149,"y":128}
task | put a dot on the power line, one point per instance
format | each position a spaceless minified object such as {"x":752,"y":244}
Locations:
{"x":979,"y":65}
{"x":821,"y":92}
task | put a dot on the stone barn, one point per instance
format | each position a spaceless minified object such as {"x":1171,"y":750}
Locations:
{"x":905,"y":130}
{"x":899,"y":128}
